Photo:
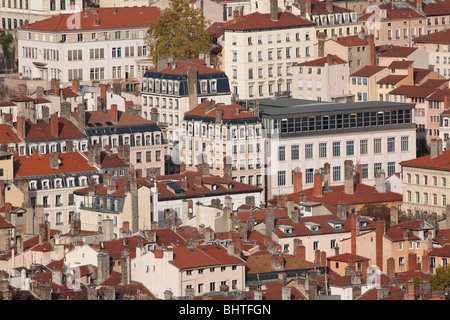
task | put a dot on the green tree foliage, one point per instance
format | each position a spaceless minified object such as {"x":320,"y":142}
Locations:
{"x":8,"y":50}
{"x":179,"y":32}
{"x":377,"y":211}
{"x":441,"y":279}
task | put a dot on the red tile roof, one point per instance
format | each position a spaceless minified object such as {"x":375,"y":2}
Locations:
{"x":398,"y":234}
{"x":396,"y":51}
{"x":179,"y":67}
{"x":412,"y":91}
{"x":261,"y":262}
{"x":416,"y":224}
{"x":208,"y":109}
{"x":404,"y":64}
{"x":203,"y":256}
{"x":351,"y":41}
{"x":439,"y":95}
{"x":435,"y":37}
{"x":420,"y":74}
{"x":367,"y":71}
{"x":42,"y":130}
{"x":7,"y":135}
{"x":115,"y":247}
{"x":124,"y":118}
{"x":108,"y":18}
{"x":442,"y":237}
{"x":260,"y":215}
{"x":441,"y":162}
{"x":39,"y":164}
{"x":362,"y":194}
{"x":330,"y":59}
{"x":258,"y":20}
{"x":391,"y":79}
{"x":393,"y":13}
{"x":319,"y":7}
{"x":433,"y":8}
{"x":346,"y":257}
{"x":4,"y":223}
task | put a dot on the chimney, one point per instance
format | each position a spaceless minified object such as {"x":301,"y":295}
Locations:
{"x":103,"y":267}
{"x":371,"y":45}
{"x":125,"y":266}
{"x":270,"y":222}
{"x":167,"y":218}
{"x":358,"y":173}
{"x":192,"y":87}
{"x":54,"y":161}
{"x":425,"y":265}
{"x":446,"y":101}
{"x":22,"y":89}
{"x":39,"y":92}
{"x":110,"y":293}
{"x":342,"y":210}
{"x":45,"y":114}
{"x":321,"y":44}
{"x":69,"y":146}
{"x":43,"y":232}
{"x":227,"y":169}
{"x":55,"y":86}
{"x":75,"y":85}
{"x":54,"y":125}
{"x":419,"y":5}
{"x":75,"y":226}
{"x":318,"y":183}
{"x":274,"y":10}
{"x":390,"y":267}
{"x":379,"y":232}
{"x":300,"y":252}
{"x":412,"y":261}
{"x":94,"y":154}
{"x":21,"y":127}
{"x":380,"y":181}
{"x":114,"y":113}
{"x":219,"y":115}
{"x":329,"y":5}
{"x":103,"y":90}
{"x":393,"y":213}
{"x":349,"y":184}
{"x":57,"y":277}
{"x":81,"y":118}
{"x":354,"y":233}
{"x":308,"y":7}
{"x":435,"y":148}
{"x":298,"y":182}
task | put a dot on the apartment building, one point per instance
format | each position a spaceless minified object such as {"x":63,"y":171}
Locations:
{"x":329,"y":19}
{"x":183,"y":271}
{"x":438,"y":46}
{"x":364,"y":83}
{"x":100,"y":44}
{"x":260,"y":49}
{"x":323,"y":79}
{"x":50,"y":180}
{"x":386,"y":54}
{"x":425,"y":182}
{"x":398,"y":22}
{"x":174,"y":87}
{"x":308,"y":134}
{"x":111,"y":129}
{"x":16,"y":13}
{"x":226,"y":138}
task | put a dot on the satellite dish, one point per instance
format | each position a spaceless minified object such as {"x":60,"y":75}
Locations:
{"x":190,"y":210}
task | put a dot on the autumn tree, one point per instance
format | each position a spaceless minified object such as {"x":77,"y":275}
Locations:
{"x":179,"y":32}
{"x":441,"y":279}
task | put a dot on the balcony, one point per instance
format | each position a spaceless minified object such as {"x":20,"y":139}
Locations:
{"x":284,"y":94}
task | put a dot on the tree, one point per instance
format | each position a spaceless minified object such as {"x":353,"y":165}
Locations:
{"x":377,"y":211}
{"x":441,"y":279}
{"x":179,"y":32}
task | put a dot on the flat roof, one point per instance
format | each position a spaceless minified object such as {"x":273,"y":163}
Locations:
{"x":286,"y":106}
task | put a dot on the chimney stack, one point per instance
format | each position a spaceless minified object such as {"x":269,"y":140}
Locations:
{"x":380,"y":181}
{"x":274,"y":10}
{"x":349,"y":183}
{"x":379,"y":232}
{"x":45,"y":114}
{"x":21,"y":128}
{"x":435,"y":148}
{"x":75,"y":85}
{"x":192,"y":87}
{"x":329,"y":5}
{"x":81,"y":117}
{"x":354,"y":233}
{"x":298,"y":180}
{"x":54,"y":161}
{"x":371,"y":45}
{"x":318,"y":192}
{"x":270,"y":222}
{"x":114,"y":113}
{"x":54,"y":125}
{"x":103,"y":267}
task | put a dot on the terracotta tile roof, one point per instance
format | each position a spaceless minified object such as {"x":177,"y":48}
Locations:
{"x":124,"y":119}
{"x":394,"y":13}
{"x":39,"y":164}
{"x":391,"y":51}
{"x":260,"y":215}
{"x":41,"y":131}
{"x":258,"y":20}
{"x":110,"y":160}
{"x":412,"y":91}
{"x":404,"y":64}
{"x":420,"y":74}
{"x":7,"y":135}
{"x":367,"y":71}
{"x":195,"y":185}
{"x":330,"y":59}
{"x":439,"y":95}
{"x":203,"y":256}
{"x":394,"y":294}
{"x":180,"y":67}
{"x":435,"y":37}
{"x":208,"y":109}
{"x":346,"y":257}
{"x":434,"y":8}
{"x":436,"y":83}
{"x":168,"y":237}
{"x":108,"y":18}
{"x":216,"y":29}
{"x":8,"y":104}
{"x":442,"y":237}
{"x":362,"y":194}
{"x":441,"y":252}
{"x":441,"y":162}
{"x":417,"y":224}
{"x":4,"y":223}
{"x":397,"y":234}
{"x":351,"y":41}
{"x":391,"y":79}
{"x":319,"y":7}
{"x":128,"y":244}
{"x":261,"y":262}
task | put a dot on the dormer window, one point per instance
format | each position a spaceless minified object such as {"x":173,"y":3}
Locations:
{"x":204,"y":86}
{"x":145,"y":85}
{"x":213,"y":86}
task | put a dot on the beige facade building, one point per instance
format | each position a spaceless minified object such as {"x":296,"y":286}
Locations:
{"x":426,"y":182}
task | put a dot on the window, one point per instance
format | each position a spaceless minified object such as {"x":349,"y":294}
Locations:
{"x":391,"y":168}
{"x":350,"y":148}
{"x":404,"y":143}
{"x":323,"y":150}
{"x":308,"y":151}
{"x":281,"y":178}
{"x":295,"y":154}
{"x":377,"y":145}
{"x":281,"y":153}
{"x":391,"y":145}
{"x":336,"y":173}
{"x":363,"y":147}
{"x":336,"y":149}
{"x":364,"y":171}
{"x":309,"y":175}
